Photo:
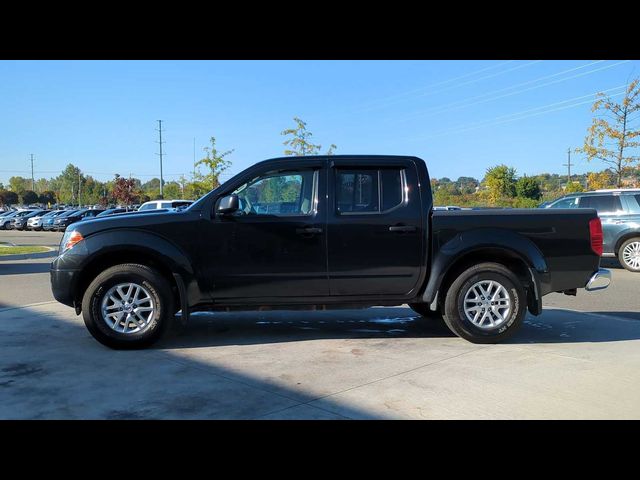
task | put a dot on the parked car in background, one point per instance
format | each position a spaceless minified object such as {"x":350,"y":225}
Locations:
{"x":619,"y":211}
{"x":20,"y":223}
{"x":154,"y":204}
{"x":49,"y":224}
{"x":5,"y":219}
{"x":6,"y":222}
{"x":113,"y":211}
{"x":36,"y":222}
{"x":63,"y":221}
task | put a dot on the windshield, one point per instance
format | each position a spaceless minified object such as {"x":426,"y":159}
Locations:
{"x":70,"y":212}
{"x":24,"y":213}
{"x":107,"y":212}
{"x":33,"y":214}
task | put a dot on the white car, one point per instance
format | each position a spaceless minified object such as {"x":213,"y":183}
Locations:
{"x":156,"y":204}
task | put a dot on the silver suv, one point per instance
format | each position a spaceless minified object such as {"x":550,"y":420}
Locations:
{"x":619,"y":211}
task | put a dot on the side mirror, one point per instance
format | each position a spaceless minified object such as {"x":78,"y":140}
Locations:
{"x":228,"y":204}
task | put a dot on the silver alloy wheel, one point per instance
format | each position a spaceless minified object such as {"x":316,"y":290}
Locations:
{"x":631,"y":255}
{"x":487,"y":304}
{"x":128,"y":308}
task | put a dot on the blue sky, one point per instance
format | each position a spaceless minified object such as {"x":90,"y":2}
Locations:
{"x":459,"y":116}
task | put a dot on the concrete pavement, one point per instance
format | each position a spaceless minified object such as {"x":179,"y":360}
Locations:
{"x":376,"y":363}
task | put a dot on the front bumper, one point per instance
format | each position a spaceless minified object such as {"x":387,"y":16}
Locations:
{"x":599,"y":280}
{"x":63,"y":284}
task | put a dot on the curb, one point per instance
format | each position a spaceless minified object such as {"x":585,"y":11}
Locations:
{"x":53,"y":252}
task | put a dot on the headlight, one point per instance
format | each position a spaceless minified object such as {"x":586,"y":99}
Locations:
{"x":69,"y":239}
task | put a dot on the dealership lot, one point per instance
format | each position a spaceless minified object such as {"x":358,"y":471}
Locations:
{"x":579,"y":359}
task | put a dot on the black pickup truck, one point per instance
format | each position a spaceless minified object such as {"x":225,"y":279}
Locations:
{"x":323,"y":232}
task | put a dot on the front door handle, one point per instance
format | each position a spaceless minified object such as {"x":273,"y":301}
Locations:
{"x":402,"y":228}
{"x":308,"y":230}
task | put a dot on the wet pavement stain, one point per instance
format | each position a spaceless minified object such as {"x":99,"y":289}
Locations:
{"x":21,"y":370}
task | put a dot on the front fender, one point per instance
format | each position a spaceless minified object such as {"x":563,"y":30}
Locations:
{"x":111,"y":242}
{"x":475,"y":241}
{"x":107,"y":245}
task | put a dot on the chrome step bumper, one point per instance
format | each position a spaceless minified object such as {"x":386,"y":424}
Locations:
{"x":599,"y":280}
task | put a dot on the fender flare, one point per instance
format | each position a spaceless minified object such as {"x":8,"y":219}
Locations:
{"x":110,"y":242}
{"x":474,"y":241}
{"x":105,"y":244}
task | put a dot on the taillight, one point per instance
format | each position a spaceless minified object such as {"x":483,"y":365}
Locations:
{"x":597,"y":238}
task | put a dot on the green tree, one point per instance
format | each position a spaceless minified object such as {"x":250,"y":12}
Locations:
{"x":466,"y":185}
{"x":215,"y":163}
{"x":19,"y":184}
{"x":28,"y":197}
{"x":65,"y":185}
{"x":152,"y":188}
{"x":501,"y":182}
{"x":47,"y":197}
{"x":299,"y":141}
{"x":524,"y":202}
{"x":8,"y":197}
{"x":573,"y":187}
{"x":172,"y":190}
{"x":612,"y":137}
{"x":42,"y":185}
{"x":527,"y":187}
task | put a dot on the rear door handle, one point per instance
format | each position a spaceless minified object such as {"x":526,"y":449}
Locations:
{"x":402,"y":228}
{"x":308,"y":230}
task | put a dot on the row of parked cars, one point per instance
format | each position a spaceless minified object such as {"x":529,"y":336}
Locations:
{"x":58,"y":220}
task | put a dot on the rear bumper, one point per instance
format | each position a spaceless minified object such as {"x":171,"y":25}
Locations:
{"x":599,"y":280}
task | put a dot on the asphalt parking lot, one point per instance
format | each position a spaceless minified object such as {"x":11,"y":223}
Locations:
{"x":579,"y":359}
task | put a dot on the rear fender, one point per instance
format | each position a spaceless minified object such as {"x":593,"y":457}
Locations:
{"x":465,"y":244}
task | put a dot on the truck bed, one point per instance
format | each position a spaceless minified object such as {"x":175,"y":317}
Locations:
{"x":561,"y":236}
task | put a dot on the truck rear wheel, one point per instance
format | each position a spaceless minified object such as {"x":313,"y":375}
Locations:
{"x":485,"y":304}
{"x":128,"y":306}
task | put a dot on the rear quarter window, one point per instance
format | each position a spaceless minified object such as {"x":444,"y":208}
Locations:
{"x":633,"y":202}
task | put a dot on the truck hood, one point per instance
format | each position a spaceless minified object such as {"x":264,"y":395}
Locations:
{"x":134,"y":220}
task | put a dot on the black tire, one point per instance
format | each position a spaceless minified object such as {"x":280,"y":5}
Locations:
{"x":159,"y":290}
{"x":621,"y":254}
{"x":455,"y":317}
{"x":424,"y":310}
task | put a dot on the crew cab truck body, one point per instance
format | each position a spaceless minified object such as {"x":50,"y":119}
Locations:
{"x":328,"y":231}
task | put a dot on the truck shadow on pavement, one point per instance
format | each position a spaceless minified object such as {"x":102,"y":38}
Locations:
{"x":51,"y":368}
{"x":248,"y":328}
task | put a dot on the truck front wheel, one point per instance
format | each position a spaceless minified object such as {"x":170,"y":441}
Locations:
{"x":485,"y":304}
{"x":128,"y":306}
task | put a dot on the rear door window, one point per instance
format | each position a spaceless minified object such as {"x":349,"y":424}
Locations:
{"x":602,"y":203}
{"x":368,"y":190}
